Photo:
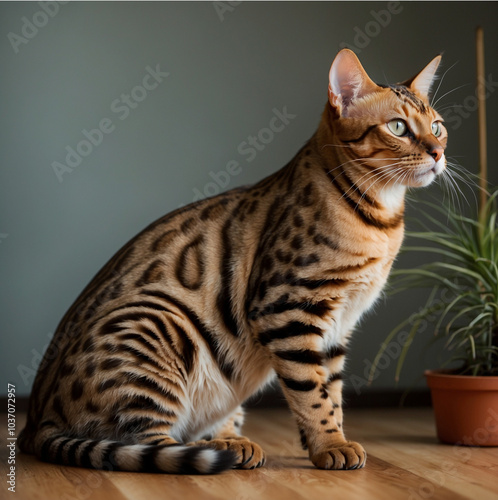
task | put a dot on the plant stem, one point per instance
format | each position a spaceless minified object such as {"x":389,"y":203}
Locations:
{"x":481,"y":97}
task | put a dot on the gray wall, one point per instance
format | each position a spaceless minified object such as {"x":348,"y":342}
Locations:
{"x":226,"y":76}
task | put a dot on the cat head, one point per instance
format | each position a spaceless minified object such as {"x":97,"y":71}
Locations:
{"x":389,"y":128}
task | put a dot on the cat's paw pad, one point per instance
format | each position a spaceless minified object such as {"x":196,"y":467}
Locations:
{"x":249,"y":455}
{"x":344,"y":456}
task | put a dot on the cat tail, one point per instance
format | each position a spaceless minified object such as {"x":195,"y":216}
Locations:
{"x":113,"y":455}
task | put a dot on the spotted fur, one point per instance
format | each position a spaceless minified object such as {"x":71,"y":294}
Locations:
{"x":149,"y":367}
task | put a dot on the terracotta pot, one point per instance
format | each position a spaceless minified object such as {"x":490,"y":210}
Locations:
{"x":466,"y":408}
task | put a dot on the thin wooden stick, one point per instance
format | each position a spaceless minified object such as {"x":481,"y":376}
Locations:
{"x":481,"y":98}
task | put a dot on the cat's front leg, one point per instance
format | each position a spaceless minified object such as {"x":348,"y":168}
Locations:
{"x":310,"y":378}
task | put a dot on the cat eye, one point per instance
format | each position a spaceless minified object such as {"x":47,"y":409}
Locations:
{"x":436,"y":129}
{"x":397,"y":127}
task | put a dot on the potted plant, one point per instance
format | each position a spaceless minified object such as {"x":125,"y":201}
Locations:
{"x":462,"y":307}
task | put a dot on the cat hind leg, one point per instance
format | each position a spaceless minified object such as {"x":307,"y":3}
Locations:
{"x":249,"y":454}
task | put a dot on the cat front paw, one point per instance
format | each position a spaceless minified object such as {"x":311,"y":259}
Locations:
{"x":345,"y":456}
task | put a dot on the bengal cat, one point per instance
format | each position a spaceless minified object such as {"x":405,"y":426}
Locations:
{"x":148,"y":369}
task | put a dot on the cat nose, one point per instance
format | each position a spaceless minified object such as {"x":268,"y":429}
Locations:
{"x":436,"y":153}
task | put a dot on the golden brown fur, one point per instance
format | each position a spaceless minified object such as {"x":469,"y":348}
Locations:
{"x":149,"y":367}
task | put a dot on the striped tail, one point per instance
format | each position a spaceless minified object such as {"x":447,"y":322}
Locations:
{"x":113,"y":455}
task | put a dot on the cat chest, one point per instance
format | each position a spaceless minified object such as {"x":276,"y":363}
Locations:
{"x":357,"y":297}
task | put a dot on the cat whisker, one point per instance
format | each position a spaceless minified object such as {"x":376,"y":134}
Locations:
{"x":361,"y":160}
{"x":444,"y":186}
{"x":337,"y":146}
{"x":372,"y":174}
{"x":383,"y":167}
{"x":471,"y":177}
{"x":456,"y":175}
{"x":394,"y":175}
{"x":365,"y":160}
{"x":450,"y":91}
{"x":381,"y":176}
{"x":468,"y":178}
{"x":389,"y":175}
{"x":451,"y":177}
{"x":441,"y":81}
{"x":447,"y":184}
{"x":458,"y":197}
{"x":400,"y":179}
{"x":440,"y":110}
{"x":386,"y":175}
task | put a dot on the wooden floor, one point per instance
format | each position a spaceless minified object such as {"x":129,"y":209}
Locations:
{"x":405,"y":461}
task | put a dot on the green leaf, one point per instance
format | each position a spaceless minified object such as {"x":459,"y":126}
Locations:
{"x":461,"y":270}
{"x":467,"y":273}
{"x":478,"y":318}
{"x":423,"y":272}
{"x":448,"y":309}
{"x":473,"y":346}
{"x":440,"y":251}
{"x":442,"y":240}
{"x":461,"y":313}
{"x":404,"y":350}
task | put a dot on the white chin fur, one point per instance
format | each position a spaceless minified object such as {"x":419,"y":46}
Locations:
{"x":392,"y":197}
{"x":422,"y":180}
{"x":439,"y":166}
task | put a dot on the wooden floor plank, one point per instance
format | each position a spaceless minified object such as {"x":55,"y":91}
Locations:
{"x":465,"y":470}
{"x":405,"y":461}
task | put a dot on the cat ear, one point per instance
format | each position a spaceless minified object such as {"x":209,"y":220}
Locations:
{"x":348,"y":81}
{"x":422,"y":82}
